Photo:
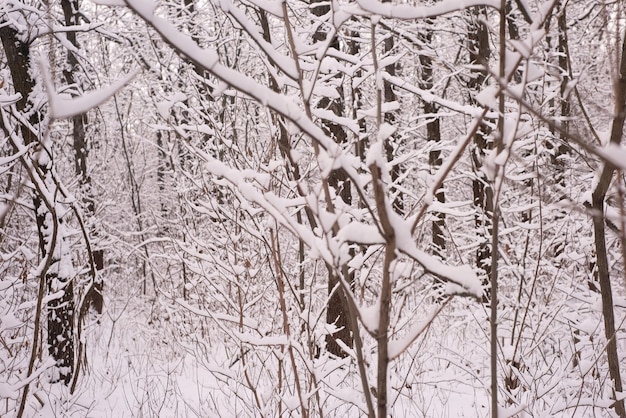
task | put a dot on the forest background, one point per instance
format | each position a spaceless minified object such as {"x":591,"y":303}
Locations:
{"x":312,"y":208}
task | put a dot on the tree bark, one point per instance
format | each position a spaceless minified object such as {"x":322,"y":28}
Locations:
{"x":479,"y":52}
{"x":598,"y":208}
{"x":336,"y":312}
{"x":81,"y":150}
{"x":49,"y":225}
{"x":433,"y":136}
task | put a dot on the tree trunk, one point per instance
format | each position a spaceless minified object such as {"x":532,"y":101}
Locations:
{"x":336,"y":312}
{"x":433,"y":136}
{"x":50,"y":227}
{"x":479,"y":52}
{"x":392,"y":143}
{"x":598,"y":208}
{"x":81,"y":150}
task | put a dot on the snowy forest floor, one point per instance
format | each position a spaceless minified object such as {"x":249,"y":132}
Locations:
{"x":141,"y":365}
{"x":137,"y":367}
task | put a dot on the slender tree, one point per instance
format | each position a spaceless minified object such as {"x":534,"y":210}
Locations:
{"x":433,"y":136}
{"x":599,"y":229}
{"x":71,"y":13}
{"x":338,"y":180}
{"x":479,"y":52}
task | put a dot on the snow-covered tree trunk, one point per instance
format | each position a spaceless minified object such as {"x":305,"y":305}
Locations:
{"x":56,"y":265}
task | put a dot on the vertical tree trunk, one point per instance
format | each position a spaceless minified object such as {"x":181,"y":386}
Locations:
{"x":361,"y":141}
{"x":562,"y":149}
{"x":81,"y":150}
{"x":559,"y":106}
{"x":433,"y":136}
{"x":50,"y":227}
{"x":479,"y":52}
{"x":392,"y":143}
{"x":336,"y":312}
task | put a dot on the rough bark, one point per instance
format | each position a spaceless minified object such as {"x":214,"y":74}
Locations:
{"x":479,"y":52}
{"x":433,"y":136}
{"x":61,"y":307}
{"x":336,"y":312}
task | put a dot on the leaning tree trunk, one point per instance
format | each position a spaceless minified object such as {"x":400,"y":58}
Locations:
{"x":598,"y":208}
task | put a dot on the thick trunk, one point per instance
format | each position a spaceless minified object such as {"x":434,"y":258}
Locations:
{"x":61,"y":307}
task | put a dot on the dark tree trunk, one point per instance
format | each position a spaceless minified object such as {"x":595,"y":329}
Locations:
{"x":361,"y":141}
{"x":392,"y":143}
{"x":337,"y":311}
{"x":60,"y":307}
{"x":81,"y":150}
{"x":598,"y":212}
{"x":479,"y":52}
{"x":562,"y":149}
{"x":433,"y":136}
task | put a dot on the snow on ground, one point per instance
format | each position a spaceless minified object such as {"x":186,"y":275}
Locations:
{"x":135,"y":369}
{"x":143,"y":363}
{"x":138,"y":367}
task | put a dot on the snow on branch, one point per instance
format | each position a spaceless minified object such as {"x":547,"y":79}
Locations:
{"x":65,"y":106}
{"x":408,"y":12}
{"x":462,"y":280}
{"x":8,"y":100}
{"x":208,"y":59}
{"x":246,"y":184}
{"x":56,"y":29}
{"x":217,"y":316}
{"x":283,"y":62}
{"x":428,"y":96}
{"x":110,"y":2}
{"x":271,"y":6}
{"x":613,"y":154}
{"x":463,"y":276}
